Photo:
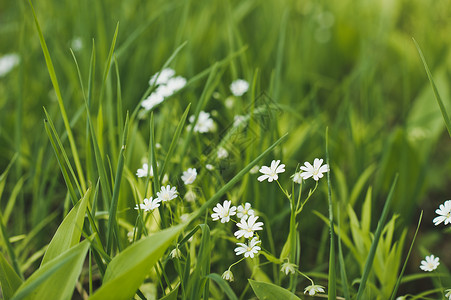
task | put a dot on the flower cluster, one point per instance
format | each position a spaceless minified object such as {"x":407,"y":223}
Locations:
{"x":204,"y":122}
{"x":307,"y":170}
{"x":246,"y":227}
{"x":167,"y":193}
{"x":166,"y":84}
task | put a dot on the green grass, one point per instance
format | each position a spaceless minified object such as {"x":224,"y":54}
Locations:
{"x":342,"y":81}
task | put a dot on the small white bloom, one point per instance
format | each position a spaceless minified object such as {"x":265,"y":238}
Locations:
{"x":222,"y":153}
{"x":448,"y":294}
{"x":316,"y":171}
{"x":190,"y":196}
{"x":239,"y":87}
{"x":149,"y":204}
{"x":248,"y":227}
{"x":189,"y":176}
{"x":228,"y":275}
{"x":209,"y":167}
{"x":444,"y":212}
{"x":254,"y":169}
{"x":165,"y":179}
{"x":223,"y":212}
{"x":158,"y":146}
{"x":167,"y":193}
{"x":204,"y":122}
{"x":8,"y":62}
{"x":297,"y":177}
{"x":176,"y":83}
{"x":176,"y":253}
{"x":249,"y":249}
{"x":270,"y":173}
{"x":144,"y":171}
{"x":153,"y":100}
{"x":162,"y":77}
{"x":244,"y":211}
{"x":288,"y":268}
{"x":430,"y":263}
{"x":313,"y":289}
{"x":130,"y":236}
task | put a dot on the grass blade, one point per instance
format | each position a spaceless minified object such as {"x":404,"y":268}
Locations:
{"x":434,"y":88}
{"x":377,"y":235}
{"x":9,"y":279}
{"x":223,"y":285}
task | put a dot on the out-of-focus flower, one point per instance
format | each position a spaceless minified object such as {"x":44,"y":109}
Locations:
{"x":8,"y":62}
{"x":244,"y":211}
{"x":254,"y":169}
{"x":204,"y":122}
{"x":190,"y":196}
{"x":222,"y":153}
{"x":189,"y":176}
{"x":209,"y":167}
{"x":297,"y":178}
{"x":144,"y":171}
{"x":239,"y":87}
{"x":228,"y":275}
{"x":176,"y":253}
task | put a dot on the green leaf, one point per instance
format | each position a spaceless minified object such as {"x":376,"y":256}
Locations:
{"x":126,"y":272}
{"x":69,"y":232}
{"x":223,"y":285}
{"x":57,"y":278}
{"x":9,"y":279}
{"x":271,"y":291}
{"x":202,"y":268}
{"x":172,"y":295}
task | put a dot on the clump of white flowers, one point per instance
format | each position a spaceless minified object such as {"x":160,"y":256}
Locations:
{"x":167,"y":84}
{"x":204,"y":122}
{"x":239,"y":87}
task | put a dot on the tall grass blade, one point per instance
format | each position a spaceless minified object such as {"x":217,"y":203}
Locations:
{"x":225,"y":287}
{"x":434,"y":88}
{"x":265,"y":290}
{"x":332,"y":287}
{"x":54,"y":80}
{"x":377,"y":235}
{"x":398,"y":282}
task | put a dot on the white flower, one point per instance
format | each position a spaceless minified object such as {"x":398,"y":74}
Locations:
{"x":313,"y":289}
{"x":162,"y":77}
{"x":8,"y":62}
{"x":448,"y":294}
{"x":238,"y":120}
{"x":430,"y":263}
{"x":130,"y":236}
{"x":204,"y":122}
{"x":288,"y":268}
{"x":149,"y":204}
{"x":239,"y":87}
{"x":222,"y":153}
{"x":153,"y":100}
{"x":254,"y":169}
{"x":297,"y":177}
{"x":444,"y":212}
{"x":270,"y":173}
{"x":248,"y":227}
{"x":176,"y":83}
{"x":190,"y":196}
{"x":250,"y":249}
{"x":223,"y":212}
{"x":167,"y":193}
{"x":316,"y":170}
{"x":228,"y":275}
{"x":176,"y":253}
{"x":189,"y":176}
{"x":244,"y":211}
{"x":144,"y":171}
{"x":165,"y":179}
{"x":209,"y":167}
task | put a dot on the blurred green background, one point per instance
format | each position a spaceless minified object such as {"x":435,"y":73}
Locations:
{"x":347,"y":65}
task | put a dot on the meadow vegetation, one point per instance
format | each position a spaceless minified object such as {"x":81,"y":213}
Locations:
{"x":225,"y":149}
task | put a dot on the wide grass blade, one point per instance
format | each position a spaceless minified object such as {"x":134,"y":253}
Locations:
{"x":434,"y":88}
{"x":377,"y":235}
{"x":69,"y":232}
{"x":57,"y":279}
{"x":223,"y":285}
{"x":9,"y":279}
{"x":54,"y":80}
{"x":128,"y":269}
{"x":202,"y":267}
{"x":265,"y":290}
